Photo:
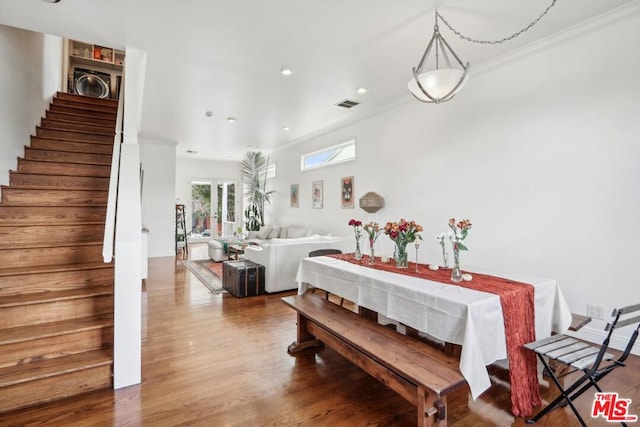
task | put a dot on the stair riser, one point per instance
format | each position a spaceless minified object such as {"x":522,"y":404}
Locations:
{"x":68,"y":169}
{"x":87,"y":113}
{"x":28,"y":197}
{"x":75,"y":147}
{"x":51,"y":256}
{"x":113,"y":103}
{"x":49,"y":389}
{"x":85,"y":106}
{"x":70,"y":182}
{"x":21,"y":236}
{"x":73,"y":136}
{"x":77,"y":127}
{"x":46,"y":348}
{"x":80,"y":119}
{"x":45,"y":215}
{"x":56,"y":281}
{"x":62,"y":156}
{"x":11,"y":317}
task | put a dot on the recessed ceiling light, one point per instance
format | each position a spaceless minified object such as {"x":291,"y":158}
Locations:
{"x":286,"y":128}
{"x":362,"y":89}
{"x":208,"y":113}
{"x":286,"y":71}
{"x":231,"y":119}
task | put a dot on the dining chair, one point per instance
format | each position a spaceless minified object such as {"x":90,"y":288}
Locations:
{"x":323,"y":252}
{"x":595,"y":362}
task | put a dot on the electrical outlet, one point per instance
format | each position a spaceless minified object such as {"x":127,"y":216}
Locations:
{"x":595,"y":311}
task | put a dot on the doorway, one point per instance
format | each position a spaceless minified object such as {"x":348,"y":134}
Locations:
{"x":200,"y":210}
{"x":214,"y":208}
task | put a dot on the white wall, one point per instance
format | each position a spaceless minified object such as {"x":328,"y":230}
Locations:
{"x":540,"y":152}
{"x":158,"y":194}
{"x":30,"y":74}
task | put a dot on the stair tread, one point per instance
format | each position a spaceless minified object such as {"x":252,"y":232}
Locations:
{"x":43,"y":297}
{"x":55,"y":175}
{"x":16,"y":271}
{"x":88,"y":99}
{"x":51,"y":329}
{"x":85,"y":104}
{"x":40,"y":245}
{"x":75,"y":114}
{"x":112,"y":115}
{"x":46,"y":187}
{"x":47,"y":368}
{"x":43,"y":205}
{"x":73,"y":122}
{"x":48,"y":224}
{"x":72,"y":140}
{"x":64,"y":151}
{"x":81,"y":132}
{"x":68,"y":164}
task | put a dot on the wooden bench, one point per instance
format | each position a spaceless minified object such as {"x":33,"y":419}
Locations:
{"x":418,"y":372}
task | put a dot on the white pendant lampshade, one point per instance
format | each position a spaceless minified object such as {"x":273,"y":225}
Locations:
{"x":441,"y":84}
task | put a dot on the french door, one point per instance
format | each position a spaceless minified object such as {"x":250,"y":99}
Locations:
{"x":214,"y":207}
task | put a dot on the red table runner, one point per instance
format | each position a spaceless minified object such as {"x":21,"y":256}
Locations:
{"x":518,"y":309}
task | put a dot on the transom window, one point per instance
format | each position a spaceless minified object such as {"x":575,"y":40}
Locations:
{"x":329,"y":156}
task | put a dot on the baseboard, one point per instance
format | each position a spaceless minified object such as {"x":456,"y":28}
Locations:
{"x":596,"y":336}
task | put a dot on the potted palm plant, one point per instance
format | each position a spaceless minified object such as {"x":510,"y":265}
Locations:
{"x":254,"y":174}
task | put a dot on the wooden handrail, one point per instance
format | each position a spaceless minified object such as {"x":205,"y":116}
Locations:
{"x":108,"y":247}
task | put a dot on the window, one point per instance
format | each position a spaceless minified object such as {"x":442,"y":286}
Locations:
{"x":329,"y":156}
{"x":271,"y":170}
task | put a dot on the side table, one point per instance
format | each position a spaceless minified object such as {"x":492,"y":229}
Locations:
{"x":236,"y":250}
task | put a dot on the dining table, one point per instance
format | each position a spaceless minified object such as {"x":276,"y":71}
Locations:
{"x":445,"y":311}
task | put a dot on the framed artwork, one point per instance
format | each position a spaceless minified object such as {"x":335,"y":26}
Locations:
{"x":294,"y":195}
{"x":316,"y":192}
{"x":346,"y":192}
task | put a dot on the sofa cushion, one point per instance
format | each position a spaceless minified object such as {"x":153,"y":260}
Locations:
{"x":275,"y":233}
{"x":264,"y":233}
{"x":293,"y":232}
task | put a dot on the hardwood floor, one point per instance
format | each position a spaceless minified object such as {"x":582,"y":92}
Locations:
{"x":215,"y":360}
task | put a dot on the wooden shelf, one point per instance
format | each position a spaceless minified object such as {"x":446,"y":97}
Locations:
{"x":95,"y":55}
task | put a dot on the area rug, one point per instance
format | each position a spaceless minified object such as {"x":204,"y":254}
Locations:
{"x":208,"y":272}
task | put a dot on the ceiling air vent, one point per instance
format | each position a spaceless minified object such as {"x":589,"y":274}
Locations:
{"x":347,"y":103}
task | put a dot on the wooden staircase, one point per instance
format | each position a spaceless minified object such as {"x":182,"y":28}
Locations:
{"x":56,"y":293}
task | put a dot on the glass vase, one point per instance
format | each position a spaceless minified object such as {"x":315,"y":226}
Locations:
{"x":357,"y":255}
{"x":372,"y":251}
{"x":402,"y":259}
{"x":445,"y":257}
{"x":456,"y":274}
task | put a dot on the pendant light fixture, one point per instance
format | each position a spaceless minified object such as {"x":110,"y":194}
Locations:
{"x":438,"y":77}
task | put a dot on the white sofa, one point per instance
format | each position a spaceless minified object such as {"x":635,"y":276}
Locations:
{"x":216,"y":247}
{"x":281,"y":257}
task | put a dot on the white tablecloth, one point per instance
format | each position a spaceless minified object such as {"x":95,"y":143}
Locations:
{"x":450,"y":313}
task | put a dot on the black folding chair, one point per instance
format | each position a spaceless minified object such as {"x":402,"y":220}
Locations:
{"x":323,"y":252}
{"x":581,"y":356}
